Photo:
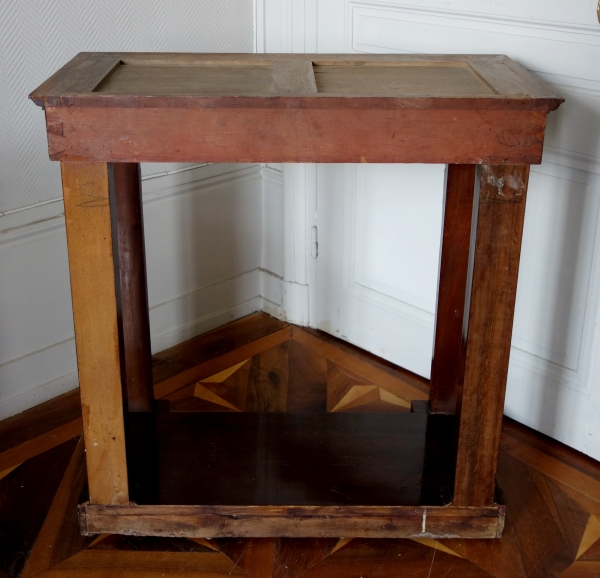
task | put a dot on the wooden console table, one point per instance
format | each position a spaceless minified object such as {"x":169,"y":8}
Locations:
{"x":483,"y":116}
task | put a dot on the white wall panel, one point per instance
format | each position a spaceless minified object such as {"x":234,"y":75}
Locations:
{"x":396,"y":214}
{"x":204,"y":256}
{"x":272,"y":206}
{"x":376,"y":281}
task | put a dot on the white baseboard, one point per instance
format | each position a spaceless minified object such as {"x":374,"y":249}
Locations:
{"x":36,"y":366}
{"x":209,"y":307}
{"x":173,"y":322}
{"x":37,"y":377}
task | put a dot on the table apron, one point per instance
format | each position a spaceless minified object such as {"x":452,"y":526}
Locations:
{"x":246,"y":135}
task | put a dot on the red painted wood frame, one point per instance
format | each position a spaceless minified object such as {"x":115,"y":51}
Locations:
{"x":487,"y":140}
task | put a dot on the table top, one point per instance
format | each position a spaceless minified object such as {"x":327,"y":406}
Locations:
{"x":162,"y":79}
{"x":386,"y":108}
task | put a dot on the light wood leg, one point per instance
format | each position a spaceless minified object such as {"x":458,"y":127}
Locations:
{"x":447,"y":368}
{"x":89,"y":237}
{"x":500,"y":216}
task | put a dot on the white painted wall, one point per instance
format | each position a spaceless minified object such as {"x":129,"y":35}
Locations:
{"x":38,"y":37}
{"x":204,"y":225}
{"x":374,"y":279}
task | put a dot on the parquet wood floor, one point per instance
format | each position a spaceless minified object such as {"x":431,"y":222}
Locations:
{"x":552,"y":493}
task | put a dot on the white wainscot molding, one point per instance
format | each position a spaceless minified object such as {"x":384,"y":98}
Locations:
{"x":390,"y":259}
{"x":203,"y":238}
{"x":560,"y":49}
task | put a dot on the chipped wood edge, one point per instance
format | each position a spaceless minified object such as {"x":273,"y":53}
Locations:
{"x":294,"y":521}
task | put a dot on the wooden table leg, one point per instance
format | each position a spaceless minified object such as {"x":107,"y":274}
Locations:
{"x":447,"y":367}
{"x":89,"y":236}
{"x":137,"y":355}
{"x":500,"y":216}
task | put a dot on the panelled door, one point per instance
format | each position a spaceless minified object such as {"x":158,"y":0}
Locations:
{"x":379,"y":225}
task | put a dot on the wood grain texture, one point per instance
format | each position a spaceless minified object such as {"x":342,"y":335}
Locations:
{"x":186,"y":81}
{"x":378,"y":362}
{"x":39,"y":94}
{"x":208,"y":346}
{"x":547,"y":552}
{"x":505,"y":75}
{"x":552,"y":530}
{"x":254,"y":556}
{"x":84,"y":78}
{"x":500,"y":216}
{"x":41,"y":557}
{"x":396,"y":80}
{"x":296,"y":134}
{"x":53,"y":422}
{"x":131,"y":564}
{"x":220,"y":363}
{"x":35,"y":446}
{"x":294,"y":76}
{"x":137,"y":354}
{"x":553,"y":467}
{"x":307,"y":521}
{"x":400,"y":387}
{"x":372,"y":108}
{"x":307,"y":382}
{"x":39,"y":420}
{"x":551,"y":447}
{"x":528,"y":82}
{"x":448,"y":352}
{"x":293,"y":378}
{"x":39,"y":429}
{"x":269,"y":391}
{"x":25,"y":498}
{"x":93,"y":289}
{"x":482,"y":110}
{"x":385,"y":558}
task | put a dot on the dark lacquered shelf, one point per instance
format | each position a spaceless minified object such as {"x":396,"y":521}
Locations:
{"x":286,"y":459}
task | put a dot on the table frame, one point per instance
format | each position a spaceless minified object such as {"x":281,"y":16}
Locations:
{"x":100,"y":144}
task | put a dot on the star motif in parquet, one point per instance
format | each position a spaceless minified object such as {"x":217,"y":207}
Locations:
{"x":226,"y":388}
{"x":276,"y":380}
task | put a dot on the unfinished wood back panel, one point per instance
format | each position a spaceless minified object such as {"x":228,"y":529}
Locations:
{"x":397,"y":80}
{"x":189,"y":80}
{"x":120,"y":107}
{"x":250,"y":135}
{"x":116,"y":75}
{"x":269,"y":78}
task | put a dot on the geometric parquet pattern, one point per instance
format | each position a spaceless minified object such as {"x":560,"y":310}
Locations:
{"x":551,"y":530}
{"x":553,"y":503}
{"x":297,"y":375}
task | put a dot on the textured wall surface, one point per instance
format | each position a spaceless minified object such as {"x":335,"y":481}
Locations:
{"x":38,"y":37}
{"x":200,"y":274}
